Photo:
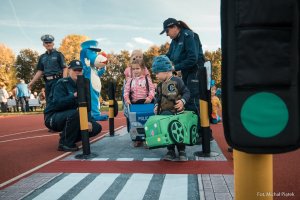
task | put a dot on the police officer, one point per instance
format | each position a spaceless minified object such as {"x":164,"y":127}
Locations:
{"x":187,"y":56}
{"x":51,"y":65}
{"x":61,"y":113}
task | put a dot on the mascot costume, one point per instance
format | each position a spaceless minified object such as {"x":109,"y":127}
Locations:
{"x":94,"y":62}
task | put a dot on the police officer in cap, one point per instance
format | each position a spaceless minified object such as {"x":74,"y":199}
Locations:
{"x":51,"y":65}
{"x":186,"y":54}
{"x":61,"y":113}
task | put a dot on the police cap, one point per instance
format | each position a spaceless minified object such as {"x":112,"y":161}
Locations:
{"x":75,"y":64}
{"x":167,"y":23}
{"x":47,"y":38}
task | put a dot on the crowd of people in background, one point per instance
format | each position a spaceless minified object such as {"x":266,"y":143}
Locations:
{"x":21,"y":99}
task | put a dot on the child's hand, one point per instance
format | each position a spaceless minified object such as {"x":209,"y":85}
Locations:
{"x":155,"y":110}
{"x":179,"y":105}
{"x":147,"y":100}
{"x":128,"y":102}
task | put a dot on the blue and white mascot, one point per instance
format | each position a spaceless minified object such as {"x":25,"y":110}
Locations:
{"x":94,"y":62}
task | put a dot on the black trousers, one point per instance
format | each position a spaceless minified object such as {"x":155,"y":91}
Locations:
{"x":48,"y":87}
{"x":69,"y":124}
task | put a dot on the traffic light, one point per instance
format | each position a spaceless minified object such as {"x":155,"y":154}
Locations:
{"x":260,"y":74}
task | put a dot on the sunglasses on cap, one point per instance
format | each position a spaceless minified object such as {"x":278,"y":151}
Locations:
{"x":77,"y":70}
{"x":47,"y":42}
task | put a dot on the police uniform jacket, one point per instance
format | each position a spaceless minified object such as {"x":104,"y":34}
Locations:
{"x":62,"y":96}
{"x":186,"y":54}
{"x":169,"y":91}
{"x":51,"y":63}
{"x":183,"y":51}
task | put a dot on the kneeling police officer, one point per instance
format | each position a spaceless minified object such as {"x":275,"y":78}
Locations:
{"x":61,"y":113}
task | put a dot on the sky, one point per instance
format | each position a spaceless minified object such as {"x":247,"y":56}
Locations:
{"x":116,"y":24}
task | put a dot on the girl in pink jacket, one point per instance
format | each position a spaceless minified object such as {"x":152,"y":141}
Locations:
{"x":139,"y":89}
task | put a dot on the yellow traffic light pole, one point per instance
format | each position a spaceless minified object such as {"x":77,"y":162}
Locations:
{"x":253,"y":176}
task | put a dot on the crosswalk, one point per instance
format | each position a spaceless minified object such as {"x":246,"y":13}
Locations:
{"x":119,"y":186}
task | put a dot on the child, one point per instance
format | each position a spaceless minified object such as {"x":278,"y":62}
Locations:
{"x":136,"y":91}
{"x":172,"y":95}
{"x":216,"y":106}
{"x":139,"y":89}
{"x":135,"y":55}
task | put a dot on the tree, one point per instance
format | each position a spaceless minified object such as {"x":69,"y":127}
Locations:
{"x":152,"y":52}
{"x":164,"y":48}
{"x":70,"y":46}
{"x":7,"y":69}
{"x":114,"y":71}
{"x":26,"y":67}
{"x":215,"y":57}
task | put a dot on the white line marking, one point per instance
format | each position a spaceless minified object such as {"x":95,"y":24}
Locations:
{"x":201,"y":189}
{"x":48,"y":162}
{"x":125,"y":159}
{"x":23,"y":132}
{"x":26,"y":138}
{"x":135,"y":187}
{"x":61,"y":187}
{"x":99,"y":159}
{"x":174,"y":187}
{"x":151,"y":159}
{"x":97,"y":187}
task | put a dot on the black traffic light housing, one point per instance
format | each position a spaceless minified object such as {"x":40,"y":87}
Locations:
{"x":260,"y":74}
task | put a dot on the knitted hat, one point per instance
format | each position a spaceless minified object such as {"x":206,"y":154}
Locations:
{"x":161,"y":64}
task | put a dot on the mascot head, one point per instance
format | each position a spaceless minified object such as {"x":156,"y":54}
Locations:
{"x":89,"y":53}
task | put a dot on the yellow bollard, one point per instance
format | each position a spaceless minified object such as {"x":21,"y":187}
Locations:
{"x":253,"y":176}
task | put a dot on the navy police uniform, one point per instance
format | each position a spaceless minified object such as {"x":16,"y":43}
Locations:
{"x":187,"y":56}
{"x":52,"y":64}
{"x":61,"y":113}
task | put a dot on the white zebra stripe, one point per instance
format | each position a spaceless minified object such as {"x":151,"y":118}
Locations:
{"x":125,"y":159}
{"x":99,"y":159}
{"x":173,"y":187}
{"x":135,"y":187}
{"x":58,"y":189}
{"x":97,"y":187}
{"x":151,"y":159}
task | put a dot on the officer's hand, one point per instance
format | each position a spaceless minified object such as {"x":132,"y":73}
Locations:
{"x":29,"y":86}
{"x":179,"y":105}
{"x":128,"y":102}
{"x":75,"y":94}
{"x":90,"y":126}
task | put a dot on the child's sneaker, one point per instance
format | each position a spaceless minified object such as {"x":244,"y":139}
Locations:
{"x":182,"y":156}
{"x":138,"y":143}
{"x":170,"y":155}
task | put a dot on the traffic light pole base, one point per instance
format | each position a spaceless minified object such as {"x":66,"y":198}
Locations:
{"x":202,"y":154}
{"x":86,"y":157}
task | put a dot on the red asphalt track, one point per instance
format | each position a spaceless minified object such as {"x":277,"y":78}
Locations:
{"x":25,"y":144}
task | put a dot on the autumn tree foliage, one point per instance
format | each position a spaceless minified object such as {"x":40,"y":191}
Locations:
{"x":7,"y":67}
{"x":70,"y":46}
{"x":215,"y":57}
{"x":26,"y":67}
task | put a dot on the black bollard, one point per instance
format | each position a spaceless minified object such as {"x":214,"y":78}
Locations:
{"x":111,"y":97}
{"x":83,"y":116}
{"x":204,"y":116}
